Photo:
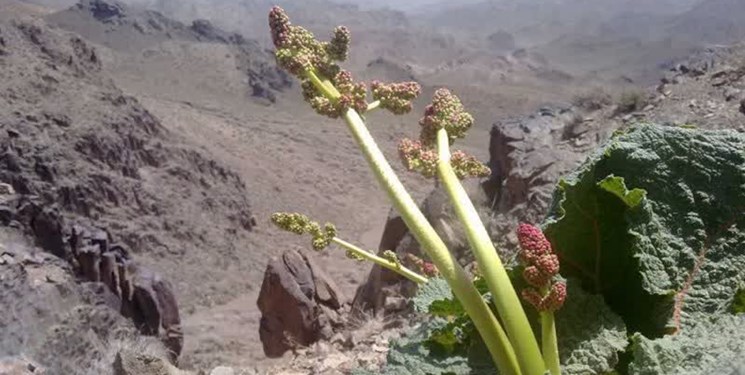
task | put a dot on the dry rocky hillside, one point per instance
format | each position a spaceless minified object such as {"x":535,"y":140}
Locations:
{"x":142,"y":156}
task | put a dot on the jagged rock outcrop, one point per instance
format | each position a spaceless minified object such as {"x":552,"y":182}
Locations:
{"x":528,"y":155}
{"x":128,"y":288}
{"x":58,"y":322}
{"x":704,"y":90}
{"x":299,"y":303}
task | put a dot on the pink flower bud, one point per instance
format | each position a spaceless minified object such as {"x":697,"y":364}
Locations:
{"x":535,"y":277}
{"x":532,"y":242}
{"x":548,"y":264}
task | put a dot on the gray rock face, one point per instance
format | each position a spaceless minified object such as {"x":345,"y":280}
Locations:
{"x":299,"y":304}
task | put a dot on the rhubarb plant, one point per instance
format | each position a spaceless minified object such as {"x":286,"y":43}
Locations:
{"x":649,"y":235}
{"x":333,"y":92}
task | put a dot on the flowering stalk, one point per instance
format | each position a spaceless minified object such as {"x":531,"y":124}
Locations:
{"x":322,"y":237}
{"x":544,"y":292}
{"x":331,"y":92}
{"x":488,"y":326}
{"x":389,"y":261}
{"x":446,"y":112}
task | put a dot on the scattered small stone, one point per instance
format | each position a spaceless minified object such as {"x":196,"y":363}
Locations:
{"x":742,"y":106}
{"x":6,"y":189}
{"x":222,"y":370}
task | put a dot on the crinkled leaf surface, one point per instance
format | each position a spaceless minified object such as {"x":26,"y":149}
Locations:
{"x":715,"y":346}
{"x":590,"y":334}
{"x":412,"y":356}
{"x":436,"y":289}
{"x":655,"y":222}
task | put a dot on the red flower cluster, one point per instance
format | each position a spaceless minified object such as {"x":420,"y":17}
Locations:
{"x":541,"y":265}
{"x":426,"y":268}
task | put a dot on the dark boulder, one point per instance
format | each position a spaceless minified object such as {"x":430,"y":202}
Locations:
{"x":299,"y":304}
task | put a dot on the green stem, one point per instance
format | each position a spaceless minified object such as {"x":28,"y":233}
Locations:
{"x":484,"y":320}
{"x":550,"y":345}
{"x":395,"y":267}
{"x":505,"y":298}
{"x":324,"y":85}
{"x":372,"y":106}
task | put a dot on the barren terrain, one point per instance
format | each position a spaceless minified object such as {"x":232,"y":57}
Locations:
{"x":238,"y":143}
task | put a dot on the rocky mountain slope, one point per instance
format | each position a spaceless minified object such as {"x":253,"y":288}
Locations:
{"x":161,"y":132}
{"x":77,"y":146}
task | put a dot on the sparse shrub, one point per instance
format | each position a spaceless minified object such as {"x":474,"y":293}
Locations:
{"x":592,"y":100}
{"x":631,"y":101}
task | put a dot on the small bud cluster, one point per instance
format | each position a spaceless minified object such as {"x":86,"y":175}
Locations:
{"x":417,"y":158}
{"x":465,"y":166}
{"x":301,"y":224}
{"x":354,"y":256}
{"x":446,"y":111}
{"x":425,"y":268}
{"x":353,"y":95}
{"x":391,"y":257}
{"x":300,"y":53}
{"x":298,"y":50}
{"x":541,"y":266}
{"x":396,"y":97}
{"x":338,"y":47}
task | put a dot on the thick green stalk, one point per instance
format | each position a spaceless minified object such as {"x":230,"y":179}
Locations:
{"x":484,"y":320}
{"x":505,"y":298}
{"x":550,"y":344}
{"x":395,"y":267}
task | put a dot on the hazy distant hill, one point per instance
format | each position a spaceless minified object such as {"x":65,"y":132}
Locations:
{"x":712,"y":21}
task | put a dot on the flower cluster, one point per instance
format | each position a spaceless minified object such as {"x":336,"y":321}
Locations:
{"x":298,"y":50}
{"x":338,"y":47}
{"x":352,"y":95}
{"x":445,"y":112}
{"x":426,"y":268}
{"x":395,"y":97}
{"x":541,"y":266}
{"x":418,"y":158}
{"x":301,"y":54}
{"x":301,"y":224}
{"x":465,"y":166}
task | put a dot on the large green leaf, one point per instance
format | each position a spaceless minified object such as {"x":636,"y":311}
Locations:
{"x":655,"y":222}
{"x":590,"y":335}
{"x":715,"y":346}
